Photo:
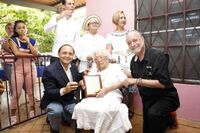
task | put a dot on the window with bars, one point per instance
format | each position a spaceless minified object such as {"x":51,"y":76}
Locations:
{"x":173,"y":26}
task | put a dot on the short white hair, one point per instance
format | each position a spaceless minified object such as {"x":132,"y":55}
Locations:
{"x":104,"y":52}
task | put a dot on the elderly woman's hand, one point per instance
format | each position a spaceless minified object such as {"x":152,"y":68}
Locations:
{"x":102,"y":92}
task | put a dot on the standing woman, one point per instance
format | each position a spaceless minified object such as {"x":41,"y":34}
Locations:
{"x":119,"y":49}
{"x":89,"y":42}
{"x":117,"y":38}
{"x":24,"y":71}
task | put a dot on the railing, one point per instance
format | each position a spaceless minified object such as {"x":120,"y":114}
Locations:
{"x":23,"y":101}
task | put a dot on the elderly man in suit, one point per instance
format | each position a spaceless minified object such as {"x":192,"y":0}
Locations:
{"x":60,"y":81}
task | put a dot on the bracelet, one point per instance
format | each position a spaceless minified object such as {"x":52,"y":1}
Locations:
{"x":137,"y":81}
{"x":141,"y":82}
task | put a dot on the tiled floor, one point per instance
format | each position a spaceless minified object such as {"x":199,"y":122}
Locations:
{"x":39,"y":125}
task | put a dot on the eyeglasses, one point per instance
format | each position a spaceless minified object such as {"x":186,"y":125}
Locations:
{"x":93,"y":23}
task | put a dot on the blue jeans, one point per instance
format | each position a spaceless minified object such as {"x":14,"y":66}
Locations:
{"x":56,"y":112}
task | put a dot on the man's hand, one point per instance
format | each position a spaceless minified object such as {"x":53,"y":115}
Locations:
{"x":86,"y":71}
{"x":25,"y":38}
{"x":70,"y":87}
{"x":65,"y":13}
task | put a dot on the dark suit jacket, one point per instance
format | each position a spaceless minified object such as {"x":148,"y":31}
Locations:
{"x":54,"y":78}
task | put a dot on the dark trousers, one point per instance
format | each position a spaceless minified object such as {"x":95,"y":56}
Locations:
{"x":156,"y":114}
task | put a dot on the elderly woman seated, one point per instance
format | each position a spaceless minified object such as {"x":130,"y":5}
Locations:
{"x":105,"y":112}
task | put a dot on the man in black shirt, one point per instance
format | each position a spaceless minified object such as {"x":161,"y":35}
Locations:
{"x":149,"y":67}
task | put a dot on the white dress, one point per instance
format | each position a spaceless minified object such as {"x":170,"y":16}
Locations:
{"x":107,"y":114}
{"x":121,"y":52}
{"x":86,"y":46}
{"x":118,"y":41}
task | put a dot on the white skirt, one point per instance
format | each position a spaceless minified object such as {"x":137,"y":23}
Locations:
{"x":103,"y":115}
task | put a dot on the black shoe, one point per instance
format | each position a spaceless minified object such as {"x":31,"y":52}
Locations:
{"x":66,"y":123}
{"x":54,"y":131}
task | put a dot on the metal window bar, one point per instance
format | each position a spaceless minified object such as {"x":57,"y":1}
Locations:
{"x":179,"y":22}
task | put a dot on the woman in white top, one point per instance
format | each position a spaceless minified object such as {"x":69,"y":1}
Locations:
{"x":117,"y":38}
{"x":90,"y":42}
{"x":104,"y":113}
{"x":119,"y":50}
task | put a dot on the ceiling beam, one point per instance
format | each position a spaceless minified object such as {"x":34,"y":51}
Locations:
{"x":56,"y":3}
{"x":32,"y":5}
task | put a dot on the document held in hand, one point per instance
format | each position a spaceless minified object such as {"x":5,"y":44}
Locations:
{"x":92,"y":84}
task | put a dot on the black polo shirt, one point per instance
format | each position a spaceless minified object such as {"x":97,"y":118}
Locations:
{"x":154,"y":66}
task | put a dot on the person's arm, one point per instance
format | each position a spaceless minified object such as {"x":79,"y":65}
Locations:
{"x":144,"y":83}
{"x":6,"y":46}
{"x":160,"y":72}
{"x":51,"y":25}
{"x":71,"y":86}
{"x":65,"y":13}
{"x":104,"y":91}
{"x":119,"y":75}
{"x":109,"y":48}
{"x":32,"y":48}
{"x":128,"y":73}
{"x":16,"y":51}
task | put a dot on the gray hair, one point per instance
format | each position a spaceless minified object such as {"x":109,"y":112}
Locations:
{"x":104,"y":52}
{"x":134,"y":31}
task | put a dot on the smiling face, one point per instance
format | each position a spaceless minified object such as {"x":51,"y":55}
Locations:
{"x":119,"y":19}
{"x":93,"y":27}
{"x":101,"y":60}
{"x":122,"y":20}
{"x":21,"y":29}
{"x":135,"y":42}
{"x":9,"y":29}
{"x":66,"y":54}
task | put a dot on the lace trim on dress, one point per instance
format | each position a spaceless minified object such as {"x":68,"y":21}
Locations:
{"x":119,"y":33}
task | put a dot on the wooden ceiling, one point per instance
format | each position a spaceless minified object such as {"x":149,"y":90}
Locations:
{"x":53,"y":5}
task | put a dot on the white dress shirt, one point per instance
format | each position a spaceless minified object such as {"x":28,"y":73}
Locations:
{"x":69,"y":75}
{"x":66,"y":32}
